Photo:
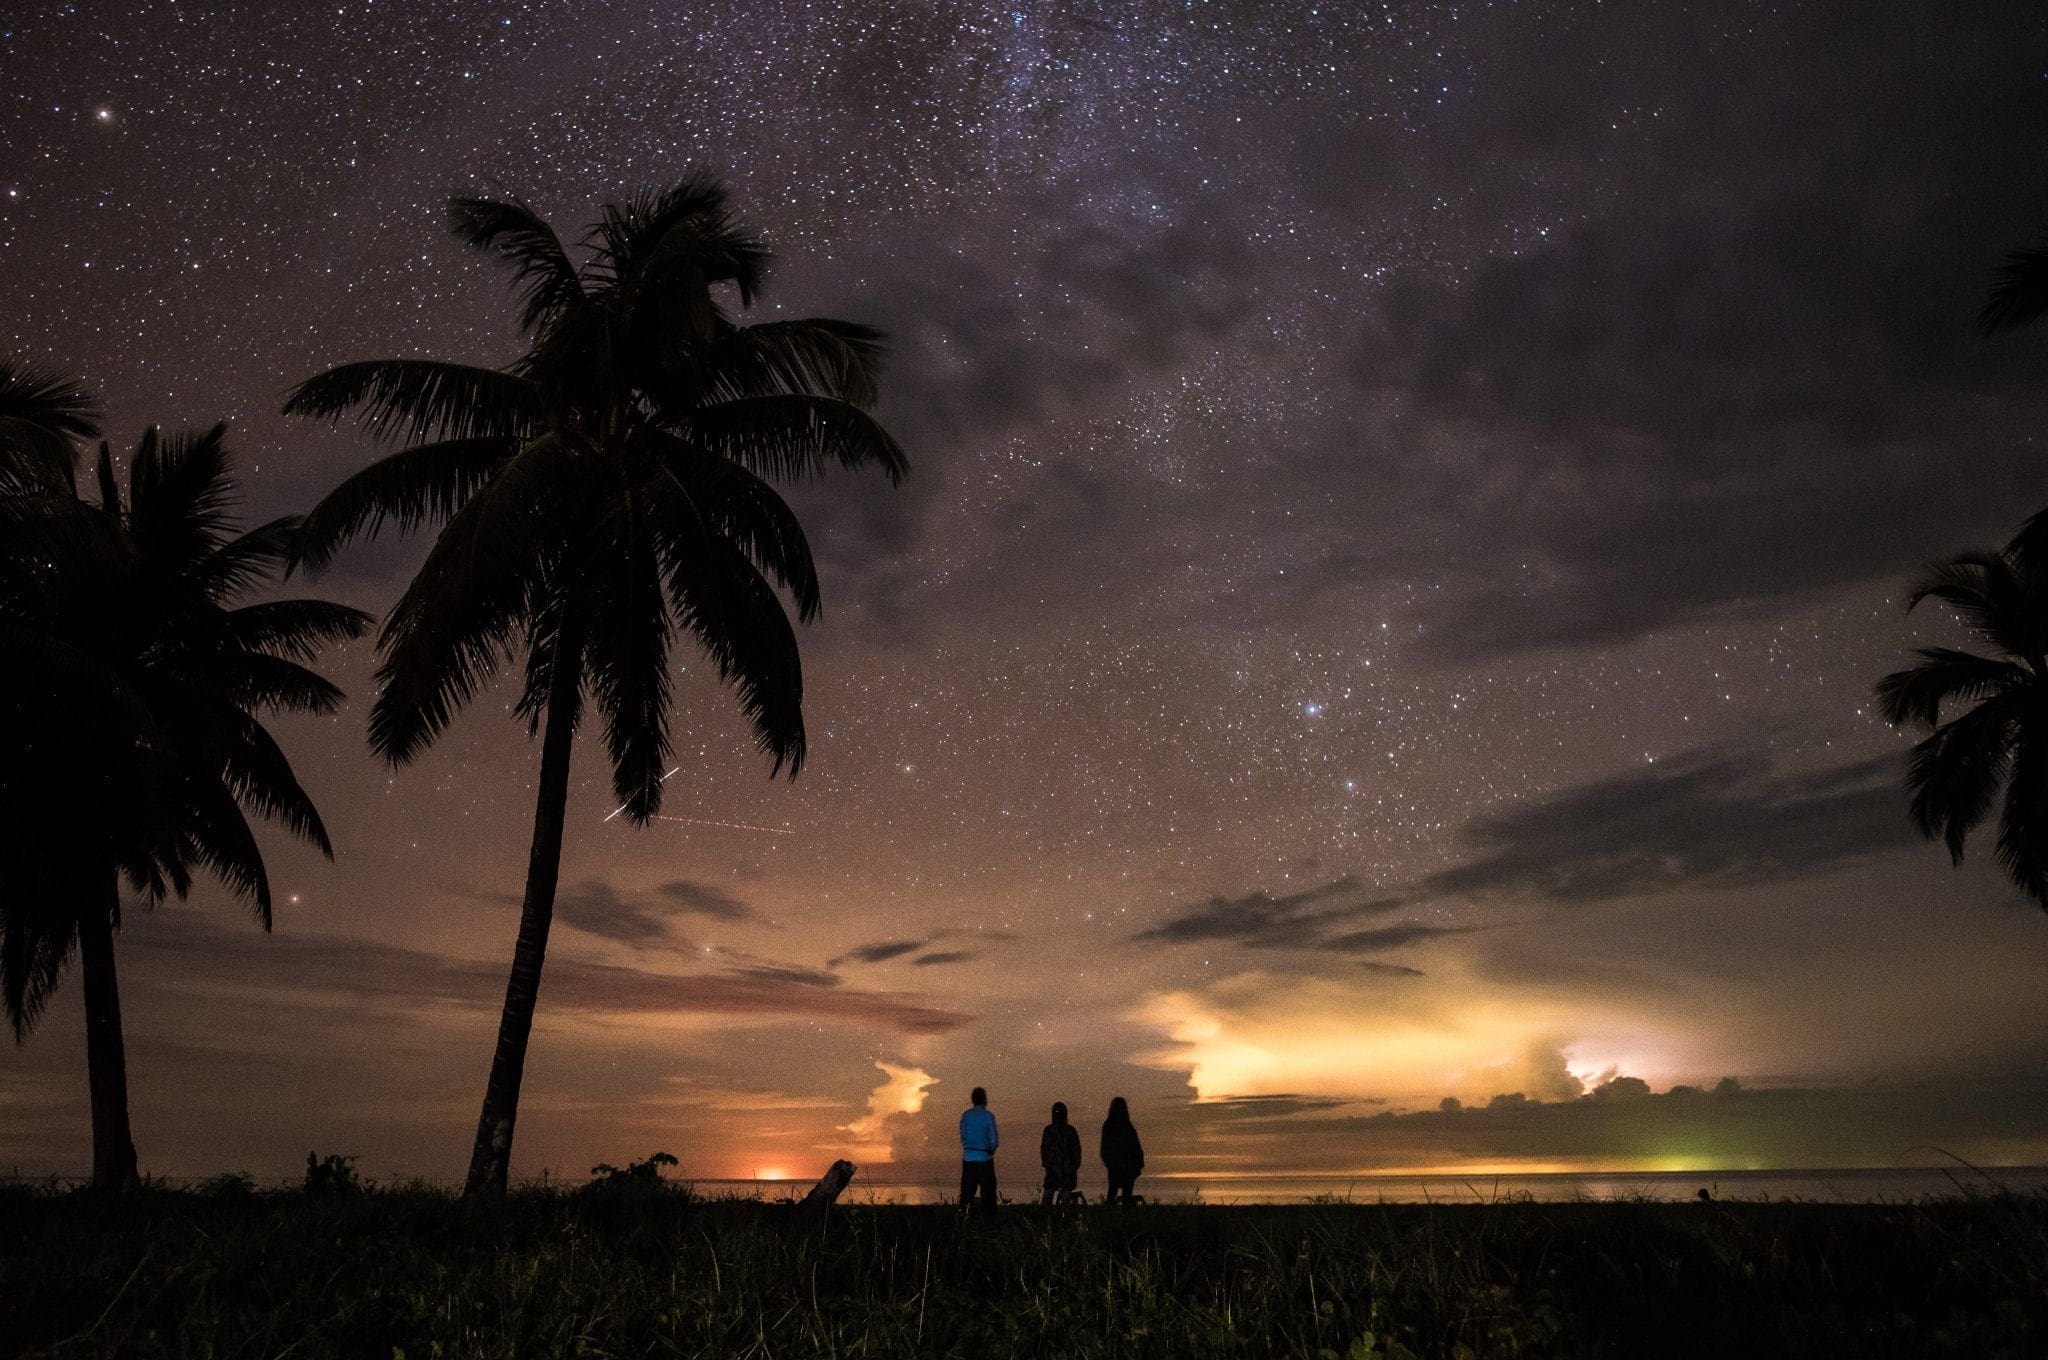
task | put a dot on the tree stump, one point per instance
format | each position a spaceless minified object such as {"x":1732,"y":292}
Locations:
{"x":830,"y":1186}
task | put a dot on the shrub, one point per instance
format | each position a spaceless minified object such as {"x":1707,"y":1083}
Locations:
{"x":634,"y":1177}
{"x":331,"y":1175}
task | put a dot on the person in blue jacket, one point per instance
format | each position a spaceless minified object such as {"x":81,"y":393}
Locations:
{"x":978,"y":1144}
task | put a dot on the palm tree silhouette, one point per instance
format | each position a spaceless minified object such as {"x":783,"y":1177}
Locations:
{"x":1999,"y":737}
{"x":133,"y":740}
{"x":601,"y":493}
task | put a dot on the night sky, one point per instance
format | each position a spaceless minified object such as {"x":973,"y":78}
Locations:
{"x":1409,"y":502}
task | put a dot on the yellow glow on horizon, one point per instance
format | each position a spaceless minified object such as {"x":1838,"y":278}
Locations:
{"x":1256,"y":1035}
{"x":771,"y":1173}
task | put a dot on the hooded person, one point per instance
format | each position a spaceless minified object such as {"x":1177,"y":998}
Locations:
{"x":1059,"y":1152}
{"x":1123,"y":1156}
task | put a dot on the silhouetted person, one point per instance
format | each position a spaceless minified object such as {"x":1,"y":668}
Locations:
{"x":1122,"y":1153}
{"x":978,"y":1143}
{"x":1059,"y":1152}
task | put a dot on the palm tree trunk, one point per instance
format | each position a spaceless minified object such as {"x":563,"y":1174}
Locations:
{"x":106,"y":1057}
{"x":491,"y":1160}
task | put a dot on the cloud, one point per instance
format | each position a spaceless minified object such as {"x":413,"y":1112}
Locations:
{"x":1256,"y":1034}
{"x":1277,"y":1106}
{"x":366,"y":972}
{"x":1259,"y":920}
{"x":1623,"y":1124}
{"x":691,"y":1093}
{"x":704,"y":900}
{"x":1750,"y":374}
{"x":1389,"y":969}
{"x":595,"y":908}
{"x":902,"y":1092}
{"x":1703,"y":354}
{"x":884,"y":951}
{"x":1390,"y":937}
{"x":793,"y":974}
{"x":880,"y":952}
{"x":1541,"y":1072}
{"x":1716,"y":818}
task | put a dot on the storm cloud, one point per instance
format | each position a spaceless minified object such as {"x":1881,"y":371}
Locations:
{"x":1724,"y":818}
{"x":1261,"y":920}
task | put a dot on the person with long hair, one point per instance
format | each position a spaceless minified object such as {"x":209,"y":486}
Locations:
{"x":1122,"y":1154}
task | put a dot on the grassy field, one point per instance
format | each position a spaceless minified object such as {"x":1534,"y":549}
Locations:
{"x":418,"y":1274}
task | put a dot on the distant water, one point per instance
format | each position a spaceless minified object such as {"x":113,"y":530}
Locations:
{"x":1860,"y":1186}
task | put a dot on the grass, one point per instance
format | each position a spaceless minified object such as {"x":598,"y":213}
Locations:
{"x":410,"y":1274}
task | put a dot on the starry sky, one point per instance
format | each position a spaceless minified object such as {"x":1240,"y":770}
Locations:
{"x":1409,"y":503}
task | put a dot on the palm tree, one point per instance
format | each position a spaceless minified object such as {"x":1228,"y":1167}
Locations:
{"x":605,"y":491}
{"x":133,"y":740}
{"x":1996,"y":735}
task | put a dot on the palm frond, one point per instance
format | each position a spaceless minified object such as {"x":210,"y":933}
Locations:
{"x":814,"y":356}
{"x":420,"y":485}
{"x":51,"y":681}
{"x":255,"y":769}
{"x":293,"y":629}
{"x":732,"y":611}
{"x":678,"y":238}
{"x":790,"y":438}
{"x":580,"y":358}
{"x":1985,"y":591}
{"x":110,"y":487}
{"x":1955,"y":773}
{"x":179,"y":495}
{"x":51,"y":544}
{"x":263,"y":683}
{"x":542,"y":273}
{"x":413,"y":399}
{"x":43,"y":415}
{"x":217,"y":836}
{"x":48,"y":400}
{"x":248,"y":560}
{"x":1944,"y":675}
{"x":2019,"y":293}
{"x":36,"y":936}
{"x":2023,"y":823}
{"x":545,"y":641}
{"x":626,"y":653}
{"x":454,"y":625}
{"x":731,"y":501}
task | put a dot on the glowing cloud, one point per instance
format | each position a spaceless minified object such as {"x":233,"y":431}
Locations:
{"x":1253,"y":1036}
{"x":902,"y":1092}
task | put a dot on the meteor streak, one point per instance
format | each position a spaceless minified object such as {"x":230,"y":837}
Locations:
{"x":706,"y":821}
{"x":622,"y":807}
{"x":736,"y":826}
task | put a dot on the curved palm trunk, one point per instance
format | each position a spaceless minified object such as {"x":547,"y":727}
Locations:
{"x":491,"y":1160}
{"x":106,"y":1057}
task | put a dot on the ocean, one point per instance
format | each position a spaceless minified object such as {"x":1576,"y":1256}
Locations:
{"x":1843,"y":1186}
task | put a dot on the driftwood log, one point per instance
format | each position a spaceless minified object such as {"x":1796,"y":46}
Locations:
{"x":830,"y":1186}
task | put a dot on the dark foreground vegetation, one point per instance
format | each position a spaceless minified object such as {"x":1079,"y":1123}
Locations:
{"x":624,"y":1272}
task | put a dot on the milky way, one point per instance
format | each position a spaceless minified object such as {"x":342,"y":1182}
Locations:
{"x":1409,"y":501}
